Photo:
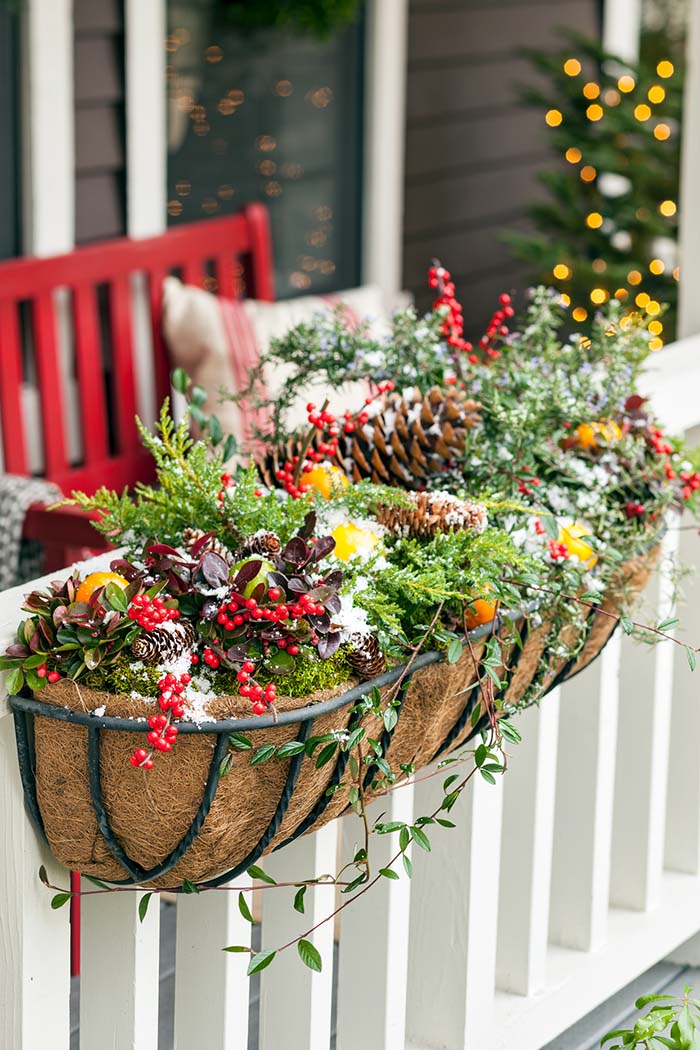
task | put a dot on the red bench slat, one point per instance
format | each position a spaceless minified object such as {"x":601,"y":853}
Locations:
{"x":51,"y":392}
{"x":11,"y":419}
{"x":123,"y":377}
{"x":88,"y":357}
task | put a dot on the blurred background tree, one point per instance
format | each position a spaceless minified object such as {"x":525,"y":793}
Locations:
{"x":608,"y":226}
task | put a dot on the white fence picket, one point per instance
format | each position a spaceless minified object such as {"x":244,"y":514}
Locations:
{"x":454,"y":920}
{"x":295,"y":1003}
{"x":211,"y":987}
{"x":584,"y":803}
{"x":372,"y":994}
{"x":34,"y":940}
{"x":646,"y":685}
{"x":118,"y":971}
{"x":682,"y":846}
{"x":526,"y":851}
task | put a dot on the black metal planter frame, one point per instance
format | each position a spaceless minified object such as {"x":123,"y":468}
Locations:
{"x":26,"y":709}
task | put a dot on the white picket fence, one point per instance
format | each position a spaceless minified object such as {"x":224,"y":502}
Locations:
{"x":580,"y":870}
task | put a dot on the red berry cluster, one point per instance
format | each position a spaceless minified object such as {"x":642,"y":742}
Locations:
{"x":261,"y":697}
{"x":50,"y":676}
{"x":526,"y":483}
{"x":162,"y":733}
{"x":539,"y":527}
{"x":210,"y":658}
{"x":497,"y":327}
{"x":227,"y":482}
{"x":237,"y":611}
{"x":291,"y":473}
{"x":659,"y":443}
{"x":635,"y":510}
{"x":453,"y":324}
{"x":150,"y":613}
{"x":691,"y":482}
{"x":558,"y":551}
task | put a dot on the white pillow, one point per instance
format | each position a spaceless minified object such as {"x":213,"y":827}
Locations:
{"x":217,"y":340}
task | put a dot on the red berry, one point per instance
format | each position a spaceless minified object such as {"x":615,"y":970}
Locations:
{"x":53,"y":676}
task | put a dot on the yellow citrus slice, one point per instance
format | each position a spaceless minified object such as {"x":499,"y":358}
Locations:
{"x":572,"y":538}
{"x":351,"y":540}
{"x":325,"y":478}
{"x":95,"y":580}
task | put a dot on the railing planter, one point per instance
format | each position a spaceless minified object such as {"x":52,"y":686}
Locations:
{"x":185,"y":821}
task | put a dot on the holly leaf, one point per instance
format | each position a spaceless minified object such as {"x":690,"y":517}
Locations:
{"x":244,"y":909}
{"x":257,"y":873}
{"x":214,"y":569}
{"x":260,"y":962}
{"x":15,"y":681}
{"x":309,"y":955}
{"x":143,"y":905}
{"x":299,"y":899}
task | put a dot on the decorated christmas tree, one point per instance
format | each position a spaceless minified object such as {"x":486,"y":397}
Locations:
{"x":608,"y":228}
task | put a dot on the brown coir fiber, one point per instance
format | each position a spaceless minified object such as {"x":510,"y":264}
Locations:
{"x":151,"y":811}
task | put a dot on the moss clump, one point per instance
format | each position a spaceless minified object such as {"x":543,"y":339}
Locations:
{"x":127,"y":676}
{"x":308,"y":677}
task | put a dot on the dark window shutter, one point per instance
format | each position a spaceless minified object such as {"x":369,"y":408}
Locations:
{"x":100,"y":150}
{"x":9,"y":136}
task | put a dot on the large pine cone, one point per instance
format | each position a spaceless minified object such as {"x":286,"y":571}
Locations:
{"x":431,"y":513}
{"x":165,"y":642}
{"x":366,"y":659}
{"x":410,"y":440}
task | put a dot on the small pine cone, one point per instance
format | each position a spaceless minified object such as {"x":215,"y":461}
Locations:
{"x":431,"y":513}
{"x":263,"y":543}
{"x":366,"y":659}
{"x":165,"y":642}
{"x":192,"y":536}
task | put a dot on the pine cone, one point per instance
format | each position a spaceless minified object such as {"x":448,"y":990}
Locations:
{"x":165,"y":642}
{"x":366,"y":659}
{"x":190,"y":537}
{"x":411,"y":439}
{"x":431,"y":513}
{"x":263,"y":543}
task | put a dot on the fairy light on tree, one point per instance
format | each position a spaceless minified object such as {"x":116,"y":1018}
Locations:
{"x":609,"y":227}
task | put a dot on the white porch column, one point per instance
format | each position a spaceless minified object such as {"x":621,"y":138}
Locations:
{"x":622,"y":22}
{"x":689,"y":300}
{"x":385,"y":135}
{"x":47,"y":127}
{"x":146,"y":135}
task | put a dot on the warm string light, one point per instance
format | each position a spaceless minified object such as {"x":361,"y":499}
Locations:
{"x":655,"y":95}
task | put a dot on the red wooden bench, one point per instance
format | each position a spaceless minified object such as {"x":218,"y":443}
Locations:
{"x":234,"y":251}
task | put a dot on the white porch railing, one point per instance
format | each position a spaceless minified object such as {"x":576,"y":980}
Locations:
{"x":563,"y":883}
